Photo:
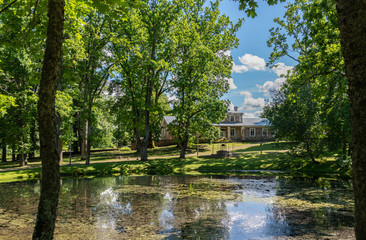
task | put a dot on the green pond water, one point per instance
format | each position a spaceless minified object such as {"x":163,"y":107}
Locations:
{"x":186,"y":207}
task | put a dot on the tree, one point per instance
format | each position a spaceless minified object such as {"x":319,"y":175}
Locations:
{"x":50,"y":183}
{"x":323,"y":110}
{"x":144,"y":52}
{"x":201,"y":70}
{"x":352,"y":21}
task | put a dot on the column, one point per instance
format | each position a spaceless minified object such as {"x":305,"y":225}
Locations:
{"x":228,"y":133}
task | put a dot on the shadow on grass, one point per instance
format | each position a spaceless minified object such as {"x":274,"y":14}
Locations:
{"x":267,"y":147}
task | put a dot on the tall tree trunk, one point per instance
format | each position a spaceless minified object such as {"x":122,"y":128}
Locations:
{"x":88,"y":133}
{"x":50,"y":183}
{"x":183,"y":148}
{"x":344,"y":143}
{"x":84,"y":139}
{"x":13,"y":156}
{"x":3,"y":157}
{"x":76,"y":129}
{"x":21,"y":159}
{"x":143,"y":151}
{"x":88,"y":143}
{"x":352,"y":24}
{"x":60,"y":152}
{"x":59,"y":132}
{"x":33,"y":140}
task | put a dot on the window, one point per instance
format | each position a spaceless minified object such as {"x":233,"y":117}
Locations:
{"x":222,"y":133}
{"x":252,"y":132}
{"x":232,"y":132}
{"x":236,"y":118}
{"x":232,"y":118}
{"x":264,"y":132}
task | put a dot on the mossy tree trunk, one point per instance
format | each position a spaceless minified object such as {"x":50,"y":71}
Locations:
{"x":50,"y":183}
{"x":352,"y":24}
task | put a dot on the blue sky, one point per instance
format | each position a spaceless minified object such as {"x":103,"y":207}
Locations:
{"x":251,"y":79}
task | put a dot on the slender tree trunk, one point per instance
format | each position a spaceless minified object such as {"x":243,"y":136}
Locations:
{"x":33,"y":140}
{"x":13,"y":156}
{"x":344,"y":143}
{"x":50,"y":183}
{"x":59,"y":132}
{"x":76,"y":128}
{"x":3,"y":157}
{"x":183,"y":148}
{"x":84,"y":139}
{"x":60,"y":144}
{"x":88,"y":130}
{"x":352,"y":24}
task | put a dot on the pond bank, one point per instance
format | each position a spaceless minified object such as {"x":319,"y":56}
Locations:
{"x":269,"y":161}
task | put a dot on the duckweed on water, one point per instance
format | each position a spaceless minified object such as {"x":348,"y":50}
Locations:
{"x":186,"y":207}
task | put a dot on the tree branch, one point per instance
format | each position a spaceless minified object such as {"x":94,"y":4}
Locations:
{"x":9,"y":5}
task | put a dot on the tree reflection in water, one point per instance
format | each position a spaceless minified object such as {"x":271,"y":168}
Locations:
{"x":187,"y":207}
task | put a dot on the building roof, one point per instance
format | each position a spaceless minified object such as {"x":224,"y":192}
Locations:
{"x":246,"y":122}
{"x":169,"y":119}
{"x":229,"y":124}
{"x":256,"y":121}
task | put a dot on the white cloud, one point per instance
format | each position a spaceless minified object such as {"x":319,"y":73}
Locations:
{"x":253,"y":62}
{"x":231,"y":106}
{"x":239,"y":68}
{"x":249,"y":62}
{"x":268,"y":86}
{"x":252,"y":114}
{"x":231,"y":84}
{"x":251,"y":103}
{"x":281,"y":70}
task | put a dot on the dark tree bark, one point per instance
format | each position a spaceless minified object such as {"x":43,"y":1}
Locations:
{"x":3,"y":157}
{"x":33,"y":140}
{"x":21,"y":159}
{"x":183,"y":148}
{"x":352,"y":24}
{"x":13,"y":156}
{"x":50,"y":183}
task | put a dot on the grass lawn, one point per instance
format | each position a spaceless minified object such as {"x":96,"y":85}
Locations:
{"x":247,"y":156}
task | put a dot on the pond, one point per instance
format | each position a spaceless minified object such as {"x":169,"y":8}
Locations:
{"x":186,"y":207}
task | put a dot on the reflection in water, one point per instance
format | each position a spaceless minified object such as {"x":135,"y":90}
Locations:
{"x":186,"y":207}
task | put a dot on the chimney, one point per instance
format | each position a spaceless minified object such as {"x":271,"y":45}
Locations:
{"x":235,"y":109}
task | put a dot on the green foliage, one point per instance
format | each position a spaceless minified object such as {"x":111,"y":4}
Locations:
{"x":5,"y":103}
{"x":312,"y":108}
{"x":249,"y":6}
{"x":158,"y":167}
{"x":201,"y":70}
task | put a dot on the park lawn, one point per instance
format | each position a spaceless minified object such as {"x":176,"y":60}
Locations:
{"x":193,"y":165}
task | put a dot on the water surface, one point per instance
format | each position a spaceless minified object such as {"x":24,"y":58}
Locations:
{"x":186,"y":207}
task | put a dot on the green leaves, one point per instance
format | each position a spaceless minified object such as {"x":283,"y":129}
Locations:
{"x":5,"y":103}
{"x":250,"y":6}
{"x":312,"y":107}
{"x":201,"y":71}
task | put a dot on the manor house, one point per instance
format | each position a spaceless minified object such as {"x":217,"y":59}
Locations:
{"x":234,"y":127}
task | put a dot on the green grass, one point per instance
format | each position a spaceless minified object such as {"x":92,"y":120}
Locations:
{"x":166,"y":163}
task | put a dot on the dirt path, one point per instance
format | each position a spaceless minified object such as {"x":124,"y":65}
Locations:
{"x":208,"y":153}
